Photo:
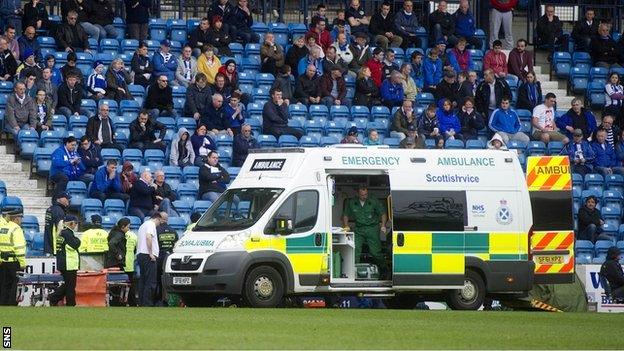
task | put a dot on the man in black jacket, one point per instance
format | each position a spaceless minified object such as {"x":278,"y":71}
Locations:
{"x":53,"y":216}
{"x":142,"y":197}
{"x":100,"y":129}
{"x":240,"y":22}
{"x":589,"y":222}
{"x":442,"y":25}
{"x":448,"y":88}
{"x":90,"y":155}
{"x":137,"y":18}
{"x":549,"y":31}
{"x":71,"y":36}
{"x":167,"y":238}
{"x":612,"y":271}
{"x":382,"y":27}
{"x":8,"y":65}
{"x":275,"y":117}
{"x":243,"y":142}
{"x":68,"y":262}
{"x":159,"y":99}
{"x":584,"y":30}
{"x":213,"y":178}
{"x":143,"y":133}
{"x":70,"y":98}
{"x":215,"y":118}
{"x":197,"y":97}
{"x":604,"y":51}
{"x":164,"y":196}
{"x":308,"y":89}
{"x":101,"y":15}
{"x":200,"y":36}
{"x":490,"y":85}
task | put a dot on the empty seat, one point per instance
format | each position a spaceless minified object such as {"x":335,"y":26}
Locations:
{"x":114,"y":207}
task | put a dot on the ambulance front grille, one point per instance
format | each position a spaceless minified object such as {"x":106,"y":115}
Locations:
{"x":192,"y":265}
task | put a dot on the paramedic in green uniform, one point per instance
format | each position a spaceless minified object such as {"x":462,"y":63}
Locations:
{"x":370,"y":217}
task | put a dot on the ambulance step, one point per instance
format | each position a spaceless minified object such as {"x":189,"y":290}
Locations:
{"x":376,"y":296}
{"x":368,"y":284}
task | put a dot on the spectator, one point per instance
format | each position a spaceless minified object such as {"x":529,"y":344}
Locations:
{"x":235,"y":112}
{"x":496,"y":143}
{"x":20,"y":110}
{"x":490,"y":93}
{"x":28,"y":67}
{"x":107,"y":183}
{"x":373,"y":138}
{"x":314,"y":59}
{"x":603,"y":49}
{"x":200,"y":36}
{"x":241,"y":21}
{"x":164,"y":62}
{"x":320,"y":15}
{"x":448,"y":122}
{"x":613,"y":131}
{"x":141,"y":66}
{"x":432,"y":71}
{"x":459,"y":57}
{"x":308,"y":87}
{"x":296,"y":53}
{"x":141,"y":202}
{"x":577,"y":117}
{"x":35,"y":15}
{"x":283,"y":82}
{"x":333,"y":88}
{"x":412,"y":140}
{"x":448,"y":88}
{"x":243,"y":142}
{"x":197,"y":97}
{"x":403,"y":118}
{"x":471,"y":120}
{"x":212,"y":178}
{"x":320,"y":34}
{"x":409,"y":85}
{"x":143,"y":133}
{"x":506,"y":123}
{"x":611,"y":269}
{"x":589,"y":222}
{"x":28,"y":42}
{"x":164,"y":195}
{"x":10,"y":36}
{"x":442,"y":24}
{"x":468,"y":87}
{"x":331,"y":60}
{"x":351,"y":137}
{"x":392,"y":93}
{"x":71,"y":36}
{"x":202,"y":145}
{"x":275,"y":117}
{"x":406,"y":24}
{"x":159,"y":99}
{"x":96,"y":82}
{"x":90,"y":155}
{"x":614,"y":97}
{"x":366,"y":92}
{"x":100,"y":129}
{"x":31,"y":88}
{"x":128,"y":177}
{"x":271,"y":55}
{"x":11,"y":15}
{"x":549,"y":31}
{"x":501,"y":13}
{"x":606,"y":161}
{"x":529,"y":93}
{"x":219,"y":38}
{"x":544,"y":127}
{"x":208,"y":64}
{"x":389,"y":64}
{"x":57,"y":76}
{"x":580,"y":153}
{"x":584,"y":30}
{"x":376,"y":65}
{"x":496,"y":60}
{"x":49,"y":88}
{"x":429,"y":127}
{"x":465,"y":24}
{"x":343,"y":50}
{"x":67,"y":166}
{"x":137,"y":18}
{"x":520,"y":61}
{"x":416,"y":61}
{"x":361,"y":52}
{"x":357,"y":19}
{"x":382,"y":28}
{"x":44,"y":111}
{"x":8,"y":64}
{"x":117,"y":80}
{"x":182,"y":153}
{"x":220,"y":87}
{"x":215,"y":117}
{"x":223,"y":9}
{"x":70,"y":98}
{"x":187,"y":67}
{"x":101,"y":16}
{"x":230,"y":73}
{"x":71,"y":68}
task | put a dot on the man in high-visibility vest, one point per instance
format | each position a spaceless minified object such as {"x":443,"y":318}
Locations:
{"x":194,"y":218}
{"x":12,"y":255}
{"x":94,"y":239}
{"x":53,"y":216}
{"x":67,"y":261}
{"x":131,"y":244}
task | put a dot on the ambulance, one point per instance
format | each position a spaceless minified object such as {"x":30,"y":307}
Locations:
{"x":462,"y":225}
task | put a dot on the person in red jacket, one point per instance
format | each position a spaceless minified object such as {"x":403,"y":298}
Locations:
{"x":376,"y":66}
{"x":496,"y":60}
{"x":320,"y":34}
{"x":501,"y":14}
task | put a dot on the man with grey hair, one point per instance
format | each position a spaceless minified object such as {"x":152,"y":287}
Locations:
{"x":392,"y":93}
{"x":314,"y":59}
{"x":100,"y":129}
{"x":9,"y":64}
{"x":20,"y":110}
{"x":243,"y":142}
{"x":164,"y":195}
{"x":142,"y":196}
{"x":215,"y":118}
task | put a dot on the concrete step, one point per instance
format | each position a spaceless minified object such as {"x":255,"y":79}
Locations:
{"x":14,"y":183}
{"x":35,"y":201}
{"x":7,"y":158}
{"x":29,"y":192}
{"x":12,"y":167}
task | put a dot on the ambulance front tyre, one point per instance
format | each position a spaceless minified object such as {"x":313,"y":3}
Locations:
{"x":471,"y":296}
{"x":264,"y":287}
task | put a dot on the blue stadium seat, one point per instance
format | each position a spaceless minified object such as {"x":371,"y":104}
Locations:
{"x":225,"y":154}
{"x":296,"y":110}
{"x":28,"y":141}
{"x":267,"y":140}
{"x":287,"y":141}
{"x":46,"y":42}
{"x":314,"y":125}
{"x":475,"y":144}
{"x":178,"y":35}
{"x":601,"y":248}
{"x":30,"y":224}
{"x":329,"y":140}
{"x":6,"y":87}
{"x":191,"y":175}
{"x":236,"y":48}
{"x":554,"y":147}
{"x":78,"y":192}
{"x":594,"y":182}
{"x":129,"y":45}
{"x":135,"y":223}
{"x":109,"y":46}
{"x":201,"y":206}
{"x":536,"y":148}
{"x":173,"y":176}
{"x":453,"y":144}
{"x":154,"y":158}
{"x":579,"y":57}
{"x":265,"y":78}
{"x":110,"y":154}
{"x":3,"y":189}
{"x":51,"y":138}
{"x":178,"y":91}
{"x":187,"y":192}
{"x":90,"y":207}
{"x":42,"y":158}
{"x":126,"y":106}
{"x":136,"y":90}
{"x":179,"y":223}
{"x":425,"y":98}
{"x":59,"y":122}
{"x":189,"y":123}
{"x":224,"y":140}
{"x":584,"y":251}
{"x":360,"y":111}
{"x":309,"y":141}
{"x":615,"y":182}
{"x":134,"y":156}
{"x":297,"y":29}
{"x":114,"y":207}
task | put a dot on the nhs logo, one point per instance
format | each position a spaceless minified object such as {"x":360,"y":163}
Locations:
{"x":478,"y":210}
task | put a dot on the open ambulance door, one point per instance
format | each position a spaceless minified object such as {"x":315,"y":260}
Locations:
{"x":551,"y":238}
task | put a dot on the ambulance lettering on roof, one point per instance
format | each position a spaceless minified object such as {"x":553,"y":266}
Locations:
{"x":268,"y":165}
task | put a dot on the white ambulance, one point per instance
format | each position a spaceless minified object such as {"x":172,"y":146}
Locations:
{"x":462,"y":225}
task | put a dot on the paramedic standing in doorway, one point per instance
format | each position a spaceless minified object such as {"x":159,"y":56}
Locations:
{"x":366,"y":213}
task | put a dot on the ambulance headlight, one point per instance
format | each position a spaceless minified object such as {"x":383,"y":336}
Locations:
{"x":234,"y":241}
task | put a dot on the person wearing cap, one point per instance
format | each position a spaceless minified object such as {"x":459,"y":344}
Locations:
{"x":94,"y":238}
{"x":580,"y":153}
{"x":334,"y":88}
{"x":9,"y":64}
{"x":271,"y":55}
{"x":28,"y":66}
{"x":406,"y":23}
{"x":412,"y":140}
{"x":496,"y":60}
{"x":53,"y":217}
{"x":361,"y":52}
{"x":101,"y":15}
{"x":577,"y":117}
{"x":96,"y":82}
{"x":448,"y":88}
{"x":392,"y":93}
{"x":159,"y":99}
{"x":187,"y":67}
{"x":67,"y":262}
{"x":612,"y":271}
{"x":442,"y":24}
{"x":165,"y":63}
{"x":20,"y":110}
{"x":370,"y":218}
{"x":12,"y":254}
{"x":296,"y":52}
{"x":589,"y":222}
{"x":219,"y":37}
{"x":71,"y":36}
{"x":29,"y":41}
{"x":351,"y":137}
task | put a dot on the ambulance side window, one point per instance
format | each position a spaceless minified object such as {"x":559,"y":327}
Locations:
{"x":302,"y":207}
{"x":429,"y":210}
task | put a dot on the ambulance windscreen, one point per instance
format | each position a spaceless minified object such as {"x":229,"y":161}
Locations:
{"x":237,"y":209}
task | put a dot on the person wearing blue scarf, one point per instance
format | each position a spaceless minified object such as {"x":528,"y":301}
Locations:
{"x":67,"y":166}
{"x":448,"y":121}
{"x":529,"y":93}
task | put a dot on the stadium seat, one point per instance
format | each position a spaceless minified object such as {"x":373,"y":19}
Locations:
{"x":360,"y":111}
{"x":601,"y":248}
{"x":178,"y":224}
{"x":308,"y":141}
{"x":90,"y":207}
{"x":287,"y":141}
{"x":584,"y":251}
{"x":134,"y":156}
{"x":453,"y":144}
{"x":266,"y":140}
{"x":187,"y":192}
{"x":154,"y":158}
{"x":475,"y":144}
{"x":594,"y":182}
{"x":114,"y":207}
{"x":110,"y":154}
{"x":536,"y":148}
{"x":615,"y":182}
{"x":42,"y":158}
{"x":201,"y":206}
{"x":78,"y":192}
{"x":51,"y":138}
{"x":28,"y":141}
{"x":30,"y":224}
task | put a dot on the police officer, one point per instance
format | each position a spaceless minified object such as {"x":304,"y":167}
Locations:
{"x":53,"y":216}
{"x":167,"y":237}
{"x":67,"y":261}
{"x":130,"y":249}
{"x":367,"y":212}
{"x":95,"y":238}
{"x":12,"y":255}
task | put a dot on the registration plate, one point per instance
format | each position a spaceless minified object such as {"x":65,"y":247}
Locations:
{"x":181,"y":280}
{"x":550,"y":259}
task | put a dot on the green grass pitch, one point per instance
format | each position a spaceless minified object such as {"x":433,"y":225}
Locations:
{"x":242,"y":328}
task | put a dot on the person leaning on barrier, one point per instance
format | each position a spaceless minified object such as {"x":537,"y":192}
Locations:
{"x":12,"y":255}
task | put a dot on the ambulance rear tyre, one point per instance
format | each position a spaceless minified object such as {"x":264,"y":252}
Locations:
{"x":264,"y":287}
{"x":471,"y":296}
{"x":198,"y":300}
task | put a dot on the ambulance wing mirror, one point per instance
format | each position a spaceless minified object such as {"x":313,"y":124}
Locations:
{"x":283,"y":225}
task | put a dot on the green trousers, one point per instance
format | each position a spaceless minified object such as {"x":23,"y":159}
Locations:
{"x":370,"y":236}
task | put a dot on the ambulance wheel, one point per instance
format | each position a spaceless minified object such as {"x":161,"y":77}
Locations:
{"x":402,"y":302}
{"x":198,"y":300}
{"x":264,"y":287}
{"x":471,"y":296}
